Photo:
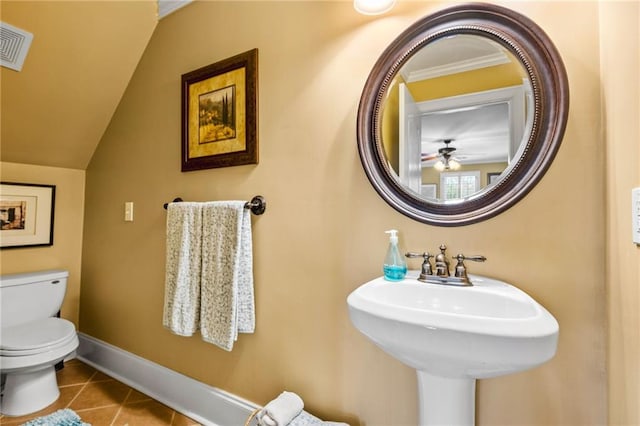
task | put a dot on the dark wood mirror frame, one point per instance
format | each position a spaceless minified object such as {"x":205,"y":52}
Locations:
{"x":524,"y":39}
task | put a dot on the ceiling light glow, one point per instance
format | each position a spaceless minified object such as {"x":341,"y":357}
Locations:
{"x":373,"y":7}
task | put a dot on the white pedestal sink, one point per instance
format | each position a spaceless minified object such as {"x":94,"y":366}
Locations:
{"x":453,"y":336}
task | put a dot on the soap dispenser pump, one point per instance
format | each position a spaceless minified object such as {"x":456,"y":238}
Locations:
{"x":395,"y":267}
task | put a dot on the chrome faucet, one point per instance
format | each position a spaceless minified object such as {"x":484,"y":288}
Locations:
{"x":442,"y":274}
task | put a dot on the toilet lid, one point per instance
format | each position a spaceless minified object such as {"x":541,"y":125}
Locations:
{"x":36,"y":334}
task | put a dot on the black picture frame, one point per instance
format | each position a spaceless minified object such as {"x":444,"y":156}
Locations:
{"x":27,"y":212}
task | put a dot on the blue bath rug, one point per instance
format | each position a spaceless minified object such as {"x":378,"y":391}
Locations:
{"x":64,"y":417}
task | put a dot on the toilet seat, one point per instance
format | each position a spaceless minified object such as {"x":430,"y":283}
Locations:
{"x":36,"y":337}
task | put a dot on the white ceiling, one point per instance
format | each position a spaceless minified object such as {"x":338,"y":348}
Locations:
{"x":479,"y":134}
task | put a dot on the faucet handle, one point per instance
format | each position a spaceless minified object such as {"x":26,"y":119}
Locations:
{"x":476,"y":258}
{"x":426,"y":264}
{"x":461,"y":269}
{"x":413,"y":254}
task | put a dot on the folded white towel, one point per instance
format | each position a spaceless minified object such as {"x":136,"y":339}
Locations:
{"x":227,"y":305}
{"x":182,"y":274}
{"x":281,"y":411}
{"x":306,"y":419}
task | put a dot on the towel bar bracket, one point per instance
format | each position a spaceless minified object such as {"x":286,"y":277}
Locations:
{"x":257,"y":205}
{"x":175,"y":200}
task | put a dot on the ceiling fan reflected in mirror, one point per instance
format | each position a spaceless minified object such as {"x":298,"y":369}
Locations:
{"x":446,"y":161}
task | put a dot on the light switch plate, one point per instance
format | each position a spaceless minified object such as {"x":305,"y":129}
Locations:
{"x":635,"y":214}
{"x":128,"y":211}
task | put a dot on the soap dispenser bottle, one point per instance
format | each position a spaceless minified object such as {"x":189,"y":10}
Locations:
{"x":395,"y":267}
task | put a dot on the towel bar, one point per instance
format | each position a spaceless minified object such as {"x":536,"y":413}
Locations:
{"x":257,"y":205}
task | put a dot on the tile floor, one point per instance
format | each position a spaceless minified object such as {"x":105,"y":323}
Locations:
{"x":102,"y":401}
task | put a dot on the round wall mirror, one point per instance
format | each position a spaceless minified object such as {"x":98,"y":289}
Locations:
{"x":462,"y":114}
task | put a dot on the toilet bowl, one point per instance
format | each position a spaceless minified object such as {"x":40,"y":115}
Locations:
{"x":31,"y":341}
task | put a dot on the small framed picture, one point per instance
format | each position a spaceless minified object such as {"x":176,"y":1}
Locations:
{"x":219,"y":114}
{"x":26,"y":214}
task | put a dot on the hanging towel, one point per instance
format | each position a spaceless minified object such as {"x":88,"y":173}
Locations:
{"x":183,"y":268}
{"x":227,"y":300}
{"x":281,"y":411}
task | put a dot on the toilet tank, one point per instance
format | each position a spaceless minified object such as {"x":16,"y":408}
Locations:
{"x":31,"y":296}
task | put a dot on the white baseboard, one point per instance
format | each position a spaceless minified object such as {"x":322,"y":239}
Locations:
{"x":202,"y":403}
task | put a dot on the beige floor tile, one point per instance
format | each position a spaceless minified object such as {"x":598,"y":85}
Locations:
{"x":99,"y":416}
{"x":100,"y":377}
{"x":136,"y":396}
{"x":75,"y":373}
{"x":182,"y":420}
{"x":100,"y":394}
{"x":148,"y":413}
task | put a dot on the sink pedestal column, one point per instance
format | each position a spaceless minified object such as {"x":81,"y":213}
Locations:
{"x":445,"y":400}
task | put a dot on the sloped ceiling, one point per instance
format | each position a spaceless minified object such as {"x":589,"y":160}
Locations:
{"x":83,"y":54}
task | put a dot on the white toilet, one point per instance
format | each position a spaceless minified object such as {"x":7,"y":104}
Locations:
{"x":32,"y":340}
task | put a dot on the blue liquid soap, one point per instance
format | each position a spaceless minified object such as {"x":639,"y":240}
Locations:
{"x":394,"y":265}
{"x":394,"y":272}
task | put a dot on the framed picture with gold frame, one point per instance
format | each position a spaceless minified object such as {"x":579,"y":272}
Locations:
{"x":220,"y":114}
{"x":26,"y":214}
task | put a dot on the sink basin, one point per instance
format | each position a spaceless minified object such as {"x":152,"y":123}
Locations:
{"x":454,"y":335}
{"x":486,"y":330}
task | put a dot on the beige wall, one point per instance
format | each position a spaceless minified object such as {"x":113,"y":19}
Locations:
{"x":55,"y":110}
{"x":621,"y":110}
{"x":322,"y":234}
{"x":66,"y":251}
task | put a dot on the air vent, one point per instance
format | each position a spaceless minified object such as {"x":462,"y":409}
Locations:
{"x":14,"y":46}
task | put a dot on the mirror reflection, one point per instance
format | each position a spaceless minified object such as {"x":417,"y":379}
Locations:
{"x":455,"y":117}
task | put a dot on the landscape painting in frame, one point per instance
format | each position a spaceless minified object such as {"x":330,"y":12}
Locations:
{"x":219,"y":114}
{"x":26,"y":215}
